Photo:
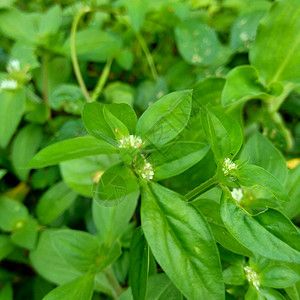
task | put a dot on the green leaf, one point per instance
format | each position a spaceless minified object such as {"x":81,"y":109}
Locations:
{"x":94,"y":45}
{"x":251,"y":175}
{"x":269,"y":234}
{"x":79,"y":289}
{"x":24,"y":29}
{"x":82,"y":173}
{"x":26,"y":236}
{"x":11,"y":104}
{"x":125,"y":59}
{"x":49,"y":264}
{"x":117,"y":184}
{"x":2,"y":173}
{"x":78,"y":248}
{"x":13,"y":214}
{"x":234,"y":275}
{"x":6,"y":246}
{"x":54,"y":202}
{"x":70,"y":149}
{"x":139,"y":265}
{"x":24,"y":147}
{"x":6,"y":292}
{"x":170,"y":224}
{"x":278,"y":276}
{"x":261,"y":152}
{"x":50,"y":21}
{"x":119,"y":92}
{"x":197,"y":43}
{"x":167,"y":118}
{"x":222,"y":132}
{"x":243,"y":31}
{"x":117,"y":127}
{"x":211,"y":210}
{"x":175,"y":158}
{"x":279,"y":30}
{"x":67,"y":97}
{"x":243,"y":83}
{"x":111,"y":222}
{"x":271,"y":294}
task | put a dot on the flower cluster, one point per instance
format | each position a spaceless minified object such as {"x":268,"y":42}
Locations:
{"x":146,"y":171}
{"x":252,"y":276}
{"x":130,"y":141}
{"x":8,"y":84}
{"x":13,"y":66}
{"x":237,"y":194}
{"x":228,"y":165}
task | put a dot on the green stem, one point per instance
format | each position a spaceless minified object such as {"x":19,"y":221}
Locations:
{"x":148,"y":55}
{"x":202,"y":188}
{"x":102,"y":80}
{"x":75,"y":63}
{"x":114,"y":283}
{"x":45,"y":70}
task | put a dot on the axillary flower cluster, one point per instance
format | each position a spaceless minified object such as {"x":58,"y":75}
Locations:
{"x":144,"y":169}
{"x":252,"y":277}
{"x":228,"y":165}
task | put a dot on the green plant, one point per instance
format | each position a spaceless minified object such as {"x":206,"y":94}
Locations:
{"x":172,"y":150}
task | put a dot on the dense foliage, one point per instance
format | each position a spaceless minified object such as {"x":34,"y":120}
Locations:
{"x":149,"y":149}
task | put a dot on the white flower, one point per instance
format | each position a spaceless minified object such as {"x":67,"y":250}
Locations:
{"x":146,"y":171}
{"x":130,"y":141}
{"x":228,"y":165}
{"x":252,"y":276}
{"x":8,"y":84}
{"x":13,"y":66}
{"x":237,"y":194}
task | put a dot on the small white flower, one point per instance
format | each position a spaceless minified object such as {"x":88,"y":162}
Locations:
{"x":8,"y":84}
{"x":13,"y":66}
{"x":130,"y":141}
{"x":146,"y":171}
{"x":237,"y":194}
{"x":252,"y":276}
{"x":228,"y":165}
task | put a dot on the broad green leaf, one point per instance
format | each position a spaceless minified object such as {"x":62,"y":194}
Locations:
{"x":13,"y":214}
{"x":25,"y":235}
{"x":261,"y":152}
{"x":54,"y":202}
{"x":67,"y":97}
{"x":279,"y":30}
{"x":243,"y":31}
{"x":117,"y":127}
{"x":269,"y":234}
{"x":11,"y":104}
{"x":70,"y":149}
{"x":111,"y":222}
{"x":24,"y":29}
{"x":6,"y":3}
{"x":139,"y":264}
{"x":165,"y":119}
{"x":117,"y":184}
{"x":234,"y":275}
{"x":292,"y":208}
{"x":50,"y":21}
{"x":243,"y":83}
{"x":119,"y":92}
{"x":24,"y":147}
{"x":208,"y":91}
{"x":82,"y":173}
{"x":79,"y":289}
{"x":94,"y":45}
{"x":125,"y":59}
{"x":175,"y":158}
{"x":222,"y":132}
{"x":49,"y":264}
{"x":251,"y":175}
{"x":278,"y":276}
{"x":170,"y":224}
{"x":96,"y":125}
{"x":211,"y":211}
{"x":294,"y":291}
{"x":2,"y":173}
{"x":197,"y":43}
{"x":78,"y":248}
{"x":6,"y":246}
{"x":270,"y":294}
